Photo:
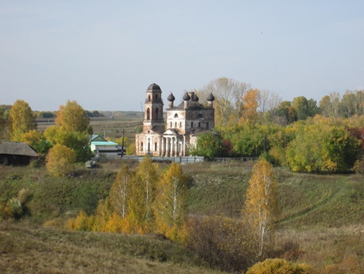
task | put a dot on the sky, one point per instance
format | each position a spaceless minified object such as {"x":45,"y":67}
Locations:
{"x":105,"y":54}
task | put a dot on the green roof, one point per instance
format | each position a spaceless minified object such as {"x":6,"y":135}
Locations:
{"x":104,"y":143}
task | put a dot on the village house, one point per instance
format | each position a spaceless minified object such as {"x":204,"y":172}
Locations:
{"x":174,"y":134}
{"x":101,"y":147}
{"x":16,"y":153}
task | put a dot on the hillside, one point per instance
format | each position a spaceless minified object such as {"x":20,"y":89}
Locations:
{"x":320,"y":216}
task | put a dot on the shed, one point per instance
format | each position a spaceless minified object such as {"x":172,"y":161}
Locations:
{"x":16,"y":153}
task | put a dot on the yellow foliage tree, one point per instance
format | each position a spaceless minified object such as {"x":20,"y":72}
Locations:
{"x":261,"y":207}
{"x":278,"y":266}
{"x":60,"y":160}
{"x":72,"y":118}
{"x":119,"y":191}
{"x":32,"y":137}
{"x":142,"y":196}
{"x":250,"y":105}
{"x":170,"y":201}
{"x":21,"y":120}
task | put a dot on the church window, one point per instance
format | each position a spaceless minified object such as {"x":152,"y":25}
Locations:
{"x":148,"y":97}
{"x":176,"y":115}
{"x":207,"y":124}
{"x":141,"y":146}
{"x":170,"y":124}
{"x":148,"y":114}
{"x":199,"y":124}
{"x":191,"y":124}
{"x":155,"y":146}
{"x":199,"y":116}
{"x":175,"y":124}
{"x":156,"y":113}
{"x":156,"y":96}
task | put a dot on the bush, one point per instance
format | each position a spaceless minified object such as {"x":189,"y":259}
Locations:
{"x":277,"y":266}
{"x":60,"y":160}
{"x":221,"y":242}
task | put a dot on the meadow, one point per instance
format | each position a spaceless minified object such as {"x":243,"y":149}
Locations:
{"x":321,"y":221}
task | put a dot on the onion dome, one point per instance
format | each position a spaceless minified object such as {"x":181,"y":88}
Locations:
{"x":171,"y":97}
{"x":186,"y":97}
{"x":195,"y":97}
{"x":154,"y":87}
{"x":210,"y":98}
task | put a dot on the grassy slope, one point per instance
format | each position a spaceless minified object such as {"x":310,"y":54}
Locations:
{"x":305,"y":199}
{"x":31,"y":249}
{"x":322,"y":214}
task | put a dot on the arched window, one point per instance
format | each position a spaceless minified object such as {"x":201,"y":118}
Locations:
{"x":199,"y":116}
{"x":199,"y":124}
{"x":148,"y":97}
{"x":156,"y":113}
{"x":148,"y":114}
{"x":141,"y":146}
{"x":176,"y":115}
{"x":155,"y":146}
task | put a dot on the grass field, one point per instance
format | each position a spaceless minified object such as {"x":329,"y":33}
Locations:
{"x":321,"y":221}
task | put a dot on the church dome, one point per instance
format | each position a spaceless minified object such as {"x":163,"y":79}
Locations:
{"x":195,"y":97}
{"x":210,"y":98}
{"x":154,"y":87}
{"x":171,"y":97}
{"x":186,"y":97}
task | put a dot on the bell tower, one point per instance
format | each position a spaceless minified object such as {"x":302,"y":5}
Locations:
{"x":153,"y":110}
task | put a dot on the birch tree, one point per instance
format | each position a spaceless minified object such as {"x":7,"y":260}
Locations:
{"x":120,"y":191}
{"x":261,"y":203}
{"x":143,"y":195}
{"x":170,"y":200}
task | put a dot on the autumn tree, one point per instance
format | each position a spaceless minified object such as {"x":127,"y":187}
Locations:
{"x":119,"y":192}
{"x":279,"y":266}
{"x":71,"y":130}
{"x":142,"y":197}
{"x":321,"y":147}
{"x":228,"y":99}
{"x":21,"y":120}
{"x":72,"y":117}
{"x":60,"y":160}
{"x":250,"y":104}
{"x":171,"y":201}
{"x":261,"y":208}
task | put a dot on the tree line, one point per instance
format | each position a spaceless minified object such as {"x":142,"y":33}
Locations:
{"x":300,"y":134}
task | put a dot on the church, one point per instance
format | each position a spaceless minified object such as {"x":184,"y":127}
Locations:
{"x":173,"y":135}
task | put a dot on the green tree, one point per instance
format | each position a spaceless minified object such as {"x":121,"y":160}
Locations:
{"x":171,"y":201}
{"x":261,"y":205}
{"x":321,"y":147}
{"x":60,"y":160}
{"x":209,"y":145}
{"x":21,"y":120}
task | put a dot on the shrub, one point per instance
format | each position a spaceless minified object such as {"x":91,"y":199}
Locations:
{"x":277,"y":266}
{"x":59,"y":160}
{"x":221,"y":242}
